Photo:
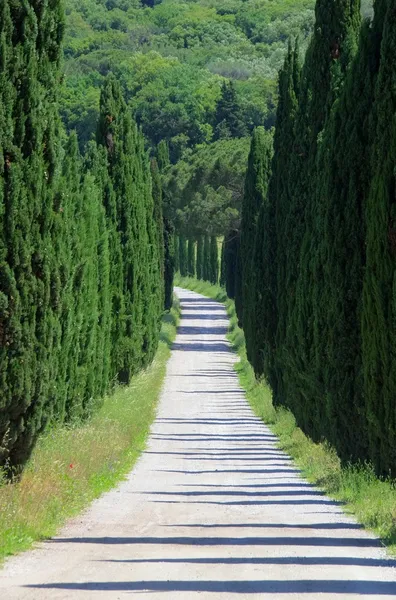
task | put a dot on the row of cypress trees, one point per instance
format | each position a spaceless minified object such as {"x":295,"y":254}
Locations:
{"x":198,"y":257}
{"x":81,"y":241}
{"x":320,"y":318}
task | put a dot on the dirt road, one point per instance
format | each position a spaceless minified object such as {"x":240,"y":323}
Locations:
{"x":212,"y":509}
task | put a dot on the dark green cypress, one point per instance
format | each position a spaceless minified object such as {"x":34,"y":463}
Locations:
{"x":222,"y":265}
{"x":169,"y":267}
{"x":206,"y":270}
{"x":214,"y":260}
{"x":379,"y":296}
{"x":231,"y":246}
{"x":183,"y":258}
{"x":258,"y":251}
{"x":30,"y":50}
{"x":177,"y":253}
{"x":158,"y":220}
{"x":200,"y":256}
{"x":135,"y":264}
{"x":163,"y":155}
{"x":191,"y":266}
{"x":256,"y":184}
{"x":326,"y":61}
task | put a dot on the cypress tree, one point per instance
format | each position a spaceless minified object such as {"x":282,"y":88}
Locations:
{"x":256,"y":184}
{"x":183,"y":258}
{"x":163,"y":155}
{"x":191,"y":257}
{"x":231,"y":248}
{"x":257,"y":252}
{"x":158,"y":221}
{"x":206,"y":270}
{"x":378,"y":303}
{"x":326,"y":61}
{"x":222,"y":265}
{"x":177,"y":253}
{"x":30,"y":40}
{"x":135,"y":264}
{"x":169,"y":267}
{"x":214,"y":260}
{"x":200,"y":256}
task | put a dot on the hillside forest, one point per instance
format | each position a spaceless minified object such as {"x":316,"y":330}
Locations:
{"x":249,"y":143}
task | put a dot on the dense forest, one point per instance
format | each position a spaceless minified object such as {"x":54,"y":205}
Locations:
{"x":243,"y":142}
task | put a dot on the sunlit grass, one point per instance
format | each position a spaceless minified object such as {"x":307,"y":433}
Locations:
{"x":371,"y":500}
{"x":71,"y":466}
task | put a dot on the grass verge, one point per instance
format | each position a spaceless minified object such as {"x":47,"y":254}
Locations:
{"x":371,"y":500}
{"x":71,"y":466}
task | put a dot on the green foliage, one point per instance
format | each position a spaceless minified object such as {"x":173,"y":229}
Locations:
{"x":191,"y":266}
{"x":214,"y":261}
{"x":205,"y":188}
{"x":228,"y":117}
{"x":256,"y":184}
{"x":200,"y":257}
{"x":207,"y":267}
{"x":81,"y":284}
{"x":183,"y":256}
{"x":172,"y":57}
{"x":325,"y":242}
{"x":256,"y":288}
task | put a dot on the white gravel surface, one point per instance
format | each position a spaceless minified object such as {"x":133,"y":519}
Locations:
{"x":212,"y":509}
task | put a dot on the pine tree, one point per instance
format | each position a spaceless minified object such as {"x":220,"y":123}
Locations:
{"x":229,"y":120}
{"x":200,"y":256}
{"x":214,"y":260}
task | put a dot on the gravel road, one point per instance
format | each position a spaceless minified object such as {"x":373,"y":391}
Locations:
{"x":212,"y":509}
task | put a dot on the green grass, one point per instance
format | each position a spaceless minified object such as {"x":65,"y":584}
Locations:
{"x":371,"y":500}
{"x":71,"y":466}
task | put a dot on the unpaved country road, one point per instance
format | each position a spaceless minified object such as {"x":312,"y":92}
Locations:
{"x":212,"y":510}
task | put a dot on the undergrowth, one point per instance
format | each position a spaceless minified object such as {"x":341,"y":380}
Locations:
{"x":71,"y":466}
{"x":370,"y":499}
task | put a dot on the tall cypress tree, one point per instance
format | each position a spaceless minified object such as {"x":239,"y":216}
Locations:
{"x":257,"y":251}
{"x":177,"y":253}
{"x":379,"y":298}
{"x":163,"y":155}
{"x":183,"y":258}
{"x":191,"y":267}
{"x":169,"y":266}
{"x":214,"y":260}
{"x":256,"y":184}
{"x":30,"y":40}
{"x":326,"y":61}
{"x":135,"y":264}
{"x":200,"y":256}
{"x":231,"y":247}
{"x":206,"y":271}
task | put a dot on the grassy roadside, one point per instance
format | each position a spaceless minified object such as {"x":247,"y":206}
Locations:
{"x":372,"y":501}
{"x":71,"y":466}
